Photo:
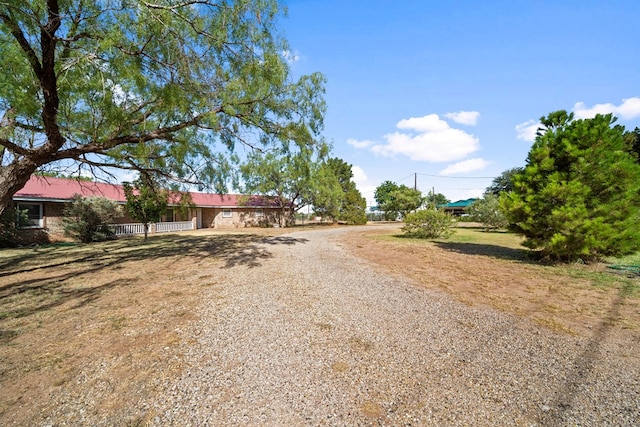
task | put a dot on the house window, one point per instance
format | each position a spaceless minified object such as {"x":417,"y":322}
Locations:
{"x":169,"y":215}
{"x":259,"y":212}
{"x":34,"y":215}
{"x":226,"y":213}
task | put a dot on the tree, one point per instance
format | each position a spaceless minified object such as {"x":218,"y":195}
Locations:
{"x":327,"y":196}
{"x":336,"y":195}
{"x":579,"y":194}
{"x":383,"y":196}
{"x":503,"y":183}
{"x":429,"y":224}
{"x":432,"y":201}
{"x":146,"y":201}
{"x":164,"y":87}
{"x":87,"y":219}
{"x":397,"y":200}
{"x":354,"y":207}
{"x":632,"y":139}
{"x":487,"y":211}
{"x":285,"y":175}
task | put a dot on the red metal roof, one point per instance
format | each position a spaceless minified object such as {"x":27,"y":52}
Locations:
{"x":62,"y":189}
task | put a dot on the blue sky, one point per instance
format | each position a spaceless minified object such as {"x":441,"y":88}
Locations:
{"x":452,"y":90}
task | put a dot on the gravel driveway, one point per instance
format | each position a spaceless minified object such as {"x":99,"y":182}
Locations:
{"x":300,"y":333}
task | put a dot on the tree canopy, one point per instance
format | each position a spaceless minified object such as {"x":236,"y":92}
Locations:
{"x":285,"y":174}
{"x":397,"y":200}
{"x":579,"y":194}
{"x":163,"y":86}
{"x":335,"y":195}
{"x":632,"y":139}
{"x":434,"y":200}
{"x":502,"y":183}
{"x":146,"y":201}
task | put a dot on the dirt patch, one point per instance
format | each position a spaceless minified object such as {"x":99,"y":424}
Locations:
{"x":100,"y":325}
{"x":568,"y":299}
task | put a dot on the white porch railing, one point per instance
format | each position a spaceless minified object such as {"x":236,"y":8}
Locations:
{"x":128,"y":229}
{"x":162,"y":227}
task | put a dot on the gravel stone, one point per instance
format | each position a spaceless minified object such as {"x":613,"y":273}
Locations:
{"x":309,"y":335}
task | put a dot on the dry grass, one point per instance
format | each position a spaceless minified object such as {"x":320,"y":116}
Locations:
{"x":492,"y":269}
{"x":106,"y":317}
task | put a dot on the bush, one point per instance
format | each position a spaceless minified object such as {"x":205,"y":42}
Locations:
{"x":487,"y":211}
{"x":9,"y":227}
{"x":87,"y":219}
{"x":429,"y":224}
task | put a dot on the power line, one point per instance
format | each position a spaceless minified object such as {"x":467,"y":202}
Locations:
{"x":456,"y":177}
{"x":408,"y":176}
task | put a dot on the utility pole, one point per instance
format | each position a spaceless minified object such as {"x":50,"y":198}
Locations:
{"x":415,"y":180}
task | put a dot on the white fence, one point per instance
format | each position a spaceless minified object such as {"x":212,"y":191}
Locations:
{"x":162,"y":227}
{"x":159,"y":227}
{"x":128,"y":229}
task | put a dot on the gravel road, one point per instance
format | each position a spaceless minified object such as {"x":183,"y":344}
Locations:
{"x":298,"y":332}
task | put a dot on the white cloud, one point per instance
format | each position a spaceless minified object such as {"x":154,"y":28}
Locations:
{"x":428,"y":123}
{"x":432,"y":140}
{"x":468,"y":118}
{"x":360,"y":144}
{"x":527,"y":130}
{"x":629,"y":109}
{"x":366,"y":187}
{"x":359,"y":176}
{"x":466,"y":166}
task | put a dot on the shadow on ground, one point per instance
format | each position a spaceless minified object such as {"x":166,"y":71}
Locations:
{"x":493,"y":251}
{"x":34,"y":280}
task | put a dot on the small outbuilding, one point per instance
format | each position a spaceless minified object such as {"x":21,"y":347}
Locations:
{"x":457,"y":208}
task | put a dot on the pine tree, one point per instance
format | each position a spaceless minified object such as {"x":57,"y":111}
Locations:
{"x":579,"y":194}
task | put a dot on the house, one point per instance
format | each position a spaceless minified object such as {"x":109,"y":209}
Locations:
{"x":457,"y":208}
{"x":44,"y":199}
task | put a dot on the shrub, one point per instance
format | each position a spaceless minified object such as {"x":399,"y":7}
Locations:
{"x":87,"y":219}
{"x":487,"y":211}
{"x":429,"y":224}
{"x":9,"y":227}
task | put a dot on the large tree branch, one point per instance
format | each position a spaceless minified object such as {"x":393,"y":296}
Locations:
{"x":49,"y":80}
{"x":14,"y":148}
{"x":164,"y":133}
{"x":133,"y":166}
{"x":17,"y":33}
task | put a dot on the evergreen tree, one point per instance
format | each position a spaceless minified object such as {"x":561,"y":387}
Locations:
{"x":353,"y":205}
{"x":327,"y":195}
{"x":579,"y":195}
{"x":632,"y":138}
